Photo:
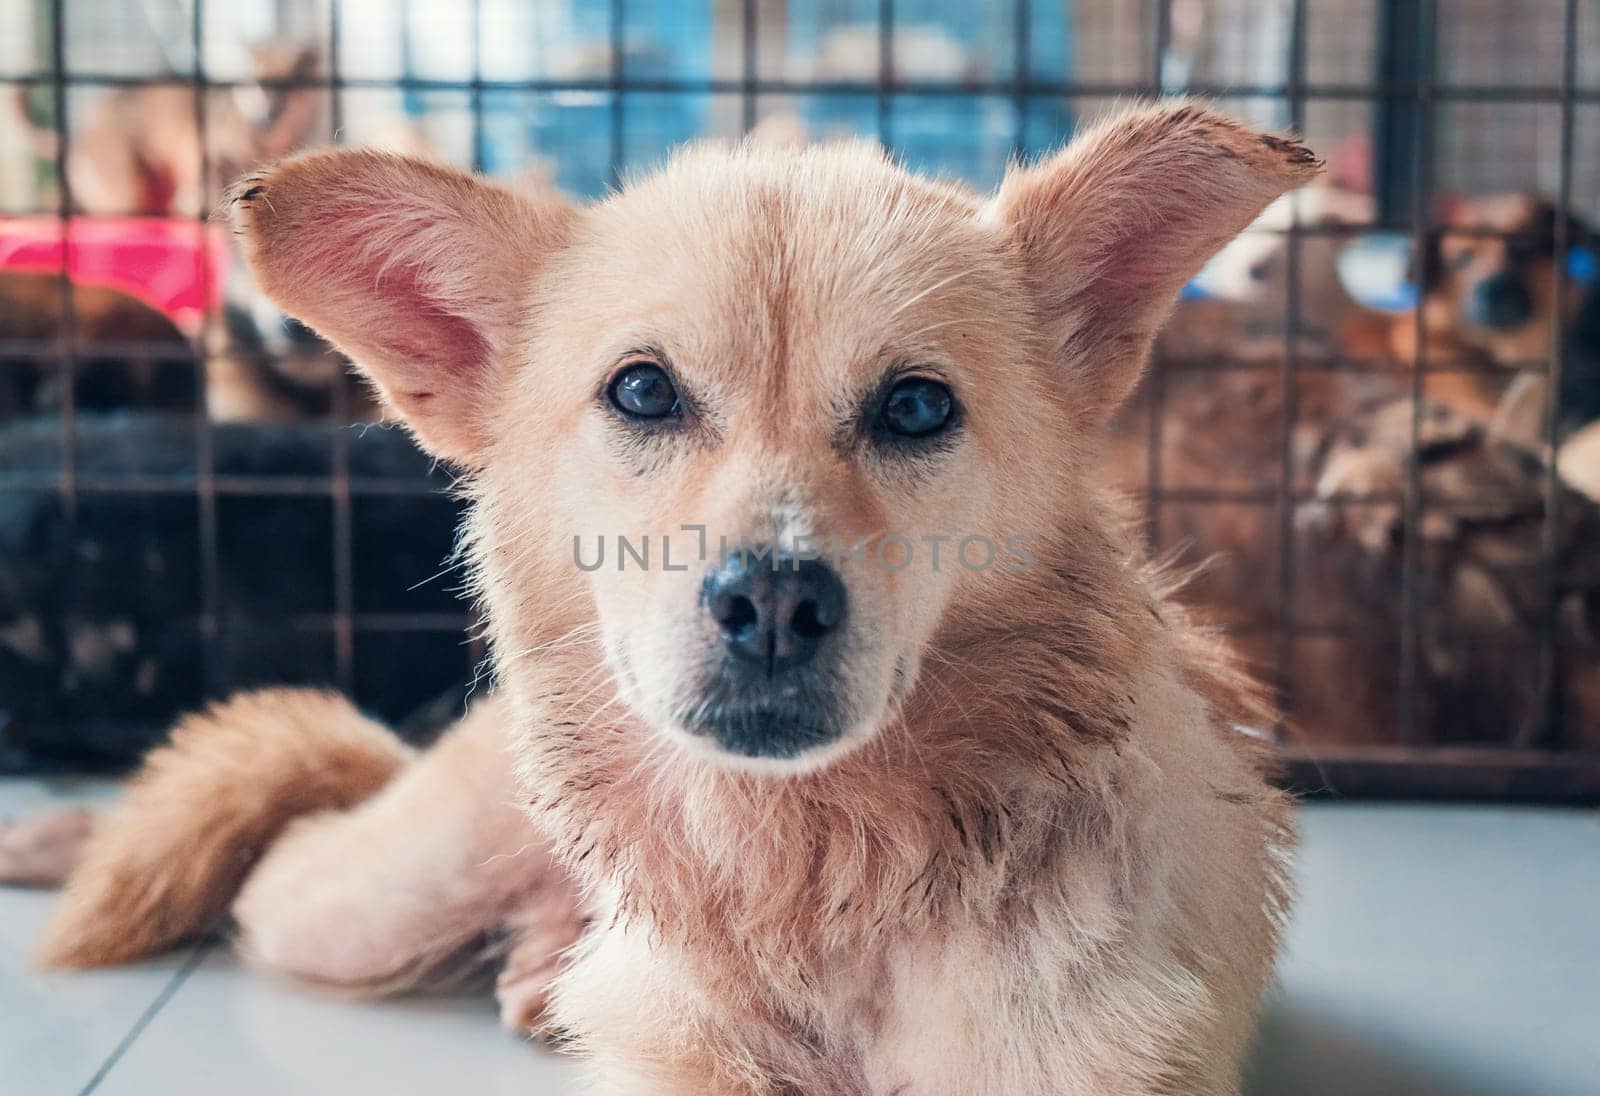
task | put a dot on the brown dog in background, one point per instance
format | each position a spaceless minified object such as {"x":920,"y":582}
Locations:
{"x":1489,"y":279}
{"x":838,"y":828}
{"x":1489,"y":298}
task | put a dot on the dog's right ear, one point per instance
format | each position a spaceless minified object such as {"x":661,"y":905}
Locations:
{"x":419,"y":273}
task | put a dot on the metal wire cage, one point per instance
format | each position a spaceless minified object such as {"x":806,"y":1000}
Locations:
{"x":187,"y":509}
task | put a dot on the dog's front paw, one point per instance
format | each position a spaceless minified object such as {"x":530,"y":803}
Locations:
{"x":42,"y":850}
{"x":524,"y":997}
{"x":541,"y":936}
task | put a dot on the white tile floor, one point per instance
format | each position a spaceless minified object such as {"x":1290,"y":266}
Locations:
{"x":1437,"y":951}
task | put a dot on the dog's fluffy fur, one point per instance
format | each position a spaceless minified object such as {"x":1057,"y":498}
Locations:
{"x":1044,"y":856}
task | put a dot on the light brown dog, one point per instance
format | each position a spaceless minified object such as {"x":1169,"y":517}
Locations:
{"x":870,"y":825}
{"x":141,"y":150}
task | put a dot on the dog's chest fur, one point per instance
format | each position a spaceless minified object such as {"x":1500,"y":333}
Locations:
{"x":957,"y":1010}
{"x":1091,"y":977}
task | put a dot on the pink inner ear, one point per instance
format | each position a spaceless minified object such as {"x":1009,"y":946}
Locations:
{"x":1146,"y":258}
{"x":415,"y":332}
{"x":373,"y":268}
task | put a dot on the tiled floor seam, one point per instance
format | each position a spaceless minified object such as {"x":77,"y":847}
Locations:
{"x":168,"y":991}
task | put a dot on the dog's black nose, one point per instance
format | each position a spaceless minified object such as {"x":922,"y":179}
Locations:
{"x":774,"y":610}
{"x":1500,"y":301}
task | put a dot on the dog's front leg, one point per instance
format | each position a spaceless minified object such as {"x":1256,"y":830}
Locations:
{"x":618,"y":1079}
{"x":546,"y":923}
{"x":380,"y":896}
{"x":641,"y":1023}
{"x":1079,"y":1021}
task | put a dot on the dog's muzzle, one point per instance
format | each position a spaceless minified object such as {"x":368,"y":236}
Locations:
{"x":769,"y":688}
{"x":1500,"y":302}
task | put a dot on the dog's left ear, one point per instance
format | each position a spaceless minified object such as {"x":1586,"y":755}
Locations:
{"x":1111,"y":227}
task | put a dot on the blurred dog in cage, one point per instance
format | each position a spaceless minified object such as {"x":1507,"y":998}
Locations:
{"x":1490,"y":288}
{"x":1482,"y":672}
{"x":1504,"y":636}
{"x":810,"y":816}
{"x":1213,"y":428}
{"x":144,"y":151}
{"x":1487,"y":315}
{"x":125,"y":353}
{"x":1489,"y":284}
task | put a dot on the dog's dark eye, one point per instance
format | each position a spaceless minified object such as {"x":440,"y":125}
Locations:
{"x":917,"y":407}
{"x":642,"y":390}
{"x":1463,"y":258}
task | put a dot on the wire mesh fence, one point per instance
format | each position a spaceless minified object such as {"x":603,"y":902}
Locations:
{"x":1372,"y":411}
